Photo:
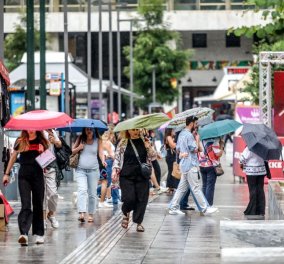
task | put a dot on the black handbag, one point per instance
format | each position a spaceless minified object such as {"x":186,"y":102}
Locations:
{"x":146,"y":169}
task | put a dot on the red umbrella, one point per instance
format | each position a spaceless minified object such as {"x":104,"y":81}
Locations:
{"x":39,"y":120}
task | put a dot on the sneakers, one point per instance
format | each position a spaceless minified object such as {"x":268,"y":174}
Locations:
{"x":109,"y":200}
{"x":176,"y":212}
{"x":162,"y":190}
{"x":23,"y":240}
{"x":53,"y":221}
{"x":39,"y":239}
{"x":105,"y":205}
{"x":210,"y":210}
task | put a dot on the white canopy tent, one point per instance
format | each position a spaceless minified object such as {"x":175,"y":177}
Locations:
{"x":55,"y":64}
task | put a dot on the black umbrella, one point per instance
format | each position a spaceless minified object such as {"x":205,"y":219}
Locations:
{"x":262,"y":141}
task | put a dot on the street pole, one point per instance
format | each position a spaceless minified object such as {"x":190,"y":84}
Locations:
{"x":67,"y":100}
{"x":89,"y":52}
{"x":100,"y":57}
{"x":118,"y":62}
{"x":154,"y":84}
{"x":1,"y":30}
{"x":131,"y":68}
{"x":110,"y":63}
{"x":30,"y":56}
{"x":42,"y":90}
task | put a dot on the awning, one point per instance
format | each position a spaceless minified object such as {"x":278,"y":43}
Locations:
{"x":224,"y":88}
{"x":55,"y":64}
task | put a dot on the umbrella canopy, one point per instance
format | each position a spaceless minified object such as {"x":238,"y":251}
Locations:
{"x":223,"y":117}
{"x":78,"y":124}
{"x":262,"y":141}
{"x":151,"y":121}
{"x":218,"y":129}
{"x":178,"y":122}
{"x":39,"y":120}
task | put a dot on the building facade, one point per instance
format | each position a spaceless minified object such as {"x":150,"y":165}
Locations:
{"x":203,"y":25}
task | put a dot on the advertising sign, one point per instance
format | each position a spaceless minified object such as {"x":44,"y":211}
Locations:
{"x":17,"y":103}
{"x":247,"y":114}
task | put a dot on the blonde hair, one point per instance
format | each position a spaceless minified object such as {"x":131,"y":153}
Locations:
{"x":23,"y":141}
{"x":124,"y":134}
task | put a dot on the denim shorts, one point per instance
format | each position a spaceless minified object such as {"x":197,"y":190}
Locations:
{"x":105,"y":174}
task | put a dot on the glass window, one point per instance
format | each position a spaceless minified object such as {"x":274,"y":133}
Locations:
{"x":232,"y":41}
{"x":199,"y":40}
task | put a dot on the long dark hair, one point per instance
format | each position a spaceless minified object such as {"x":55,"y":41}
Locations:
{"x":168,"y":132}
{"x":83,"y":136}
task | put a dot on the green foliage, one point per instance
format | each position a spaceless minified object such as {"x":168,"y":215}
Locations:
{"x":15,"y":44}
{"x":270,"y":33}
{"x":152,"y":49}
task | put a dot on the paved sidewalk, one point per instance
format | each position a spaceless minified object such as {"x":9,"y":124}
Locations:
{"x":189,"y":238}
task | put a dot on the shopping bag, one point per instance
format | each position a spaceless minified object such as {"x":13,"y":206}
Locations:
{"x":45,"y":158}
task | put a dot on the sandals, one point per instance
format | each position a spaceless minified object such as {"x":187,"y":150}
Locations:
{"x":81,"y":219}
{"x":125,"y":221}
{"x":140,"y":228}
{"x":90,"y":219}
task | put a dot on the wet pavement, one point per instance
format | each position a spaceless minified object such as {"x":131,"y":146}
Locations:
{"x":189,"y":238}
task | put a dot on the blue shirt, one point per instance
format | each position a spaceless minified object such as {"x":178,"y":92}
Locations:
{"x":187,"y":144}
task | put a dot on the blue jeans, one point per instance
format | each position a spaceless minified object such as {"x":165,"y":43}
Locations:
{"x":87,"y":181}
{"x":184,"y":201}
{"x":114,"y":194}
{"x":208,"y":180}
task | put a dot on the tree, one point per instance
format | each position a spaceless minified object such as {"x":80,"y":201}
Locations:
{"x":16,"y":43}
{"x":153,"y":48}
{"x":270,"y":35}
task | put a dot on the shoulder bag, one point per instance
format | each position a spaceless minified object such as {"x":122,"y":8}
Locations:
{"x":146,"y":169}
{"x":74,"y":159}
{"x":176,"y":173}
{"x":217,"y":168}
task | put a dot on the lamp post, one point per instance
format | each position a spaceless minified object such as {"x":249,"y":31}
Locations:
{"x":30,"y":56}
{"x":1,"y":29}
{"x":118,"y":46}
{"x":67,"y":108}
{"x":89,"y":52}
{"x":110,"y":62}
{"x":100,"y":57}
{"x":42,"y":90}
{"x":154,"y":84}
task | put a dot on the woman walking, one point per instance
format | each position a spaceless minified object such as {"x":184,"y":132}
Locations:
{"x":134,"y":186}
{"x":254,"y":168}
{"x":87,"y":173}
{"x":209,"y":158}
{"x":169,"y":141}
{"x":108,"y":150}
{"x":31,"y":184}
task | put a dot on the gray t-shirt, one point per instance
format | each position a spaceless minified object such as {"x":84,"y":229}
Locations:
{"x":88,"y":157}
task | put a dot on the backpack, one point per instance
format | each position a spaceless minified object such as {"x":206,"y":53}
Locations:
{"x":63,"y":155}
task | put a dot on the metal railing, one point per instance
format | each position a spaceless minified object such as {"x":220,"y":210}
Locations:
{"x":131,"y":6}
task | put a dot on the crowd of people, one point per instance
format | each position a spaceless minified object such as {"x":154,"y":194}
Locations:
{"x":127,"y":161}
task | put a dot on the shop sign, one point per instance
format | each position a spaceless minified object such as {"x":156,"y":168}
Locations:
{"x":237,"y":70}
{"x":54,"y":88}
{"x":53,"y":76}
{"x":247,"y":114}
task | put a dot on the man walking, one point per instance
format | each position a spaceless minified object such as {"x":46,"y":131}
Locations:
{"x":187,"y":146}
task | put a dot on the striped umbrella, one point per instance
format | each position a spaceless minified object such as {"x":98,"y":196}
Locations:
{"x":178,"y":122}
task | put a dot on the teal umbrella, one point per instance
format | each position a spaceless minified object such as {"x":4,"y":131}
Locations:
{"x":150,"y":121}
{"x":218,"y":129}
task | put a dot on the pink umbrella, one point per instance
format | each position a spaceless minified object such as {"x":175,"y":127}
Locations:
{"x":39,"y":120}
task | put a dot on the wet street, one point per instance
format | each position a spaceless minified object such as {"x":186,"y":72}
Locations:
{"x":189,"y":238}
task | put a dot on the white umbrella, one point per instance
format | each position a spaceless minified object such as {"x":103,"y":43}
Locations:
{"x":178,"y":122}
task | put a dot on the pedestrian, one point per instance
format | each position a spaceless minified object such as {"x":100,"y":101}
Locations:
{"x":31,"y":183}
{"x":209,"y":158}
{"x":254,"y":168}
{"x":170,"y":144}
{"x":87,"y":174}
{"x":134,"y":186}
{"x":188,"y":148}
{"x":108,"y":150}
{"x":50,"y":176}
